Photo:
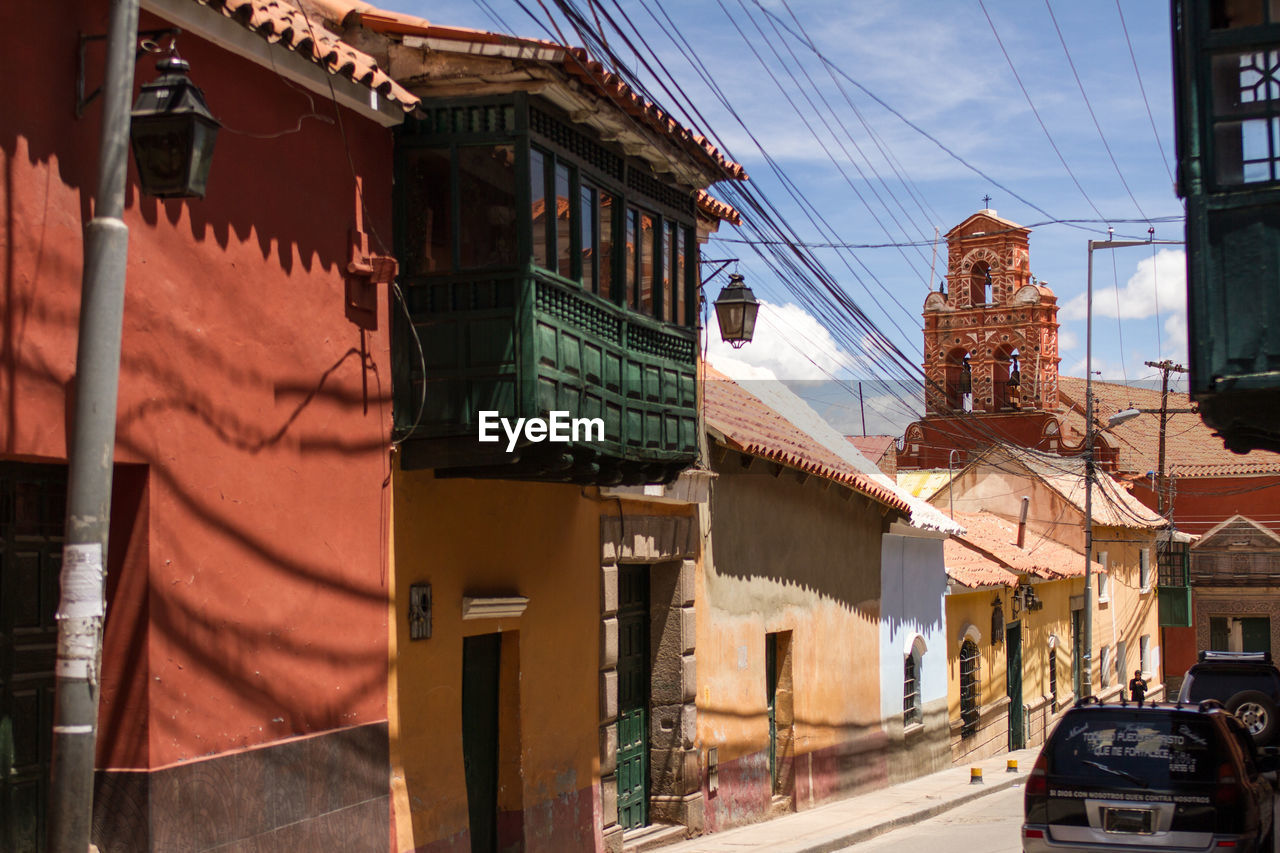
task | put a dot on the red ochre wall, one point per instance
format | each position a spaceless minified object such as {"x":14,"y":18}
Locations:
{"x":1202,"y":502}
{"x":248,"y":557}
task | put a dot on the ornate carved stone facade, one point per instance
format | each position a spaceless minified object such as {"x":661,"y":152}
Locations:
{"x":990,"y":351}
{"x":993,"y":317}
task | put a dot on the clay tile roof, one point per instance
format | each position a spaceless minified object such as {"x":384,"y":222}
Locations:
{"x":748,"y":425}
{"x":972,"y":568}
{"x":1192,"y":449}
{"x":280,"y":21}
{"x":717,"y":209}
{"x":1112,"y":504}
{"x":576,"y":63}
{"x":1040,"y":556}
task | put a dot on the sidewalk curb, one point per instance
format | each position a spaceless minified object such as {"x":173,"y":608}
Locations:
{"x":869,"y":832}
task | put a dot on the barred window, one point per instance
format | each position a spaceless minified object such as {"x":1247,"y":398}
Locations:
{"x":968,"y":688}
{"x":1053,"y":677}
{"x":911,"y":713}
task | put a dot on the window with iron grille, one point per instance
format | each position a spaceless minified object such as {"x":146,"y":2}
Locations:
{"x":1053,"y":677}
{"x":1172,"y":564}
{"x":911,"y":689}
{"x":968,"y":688}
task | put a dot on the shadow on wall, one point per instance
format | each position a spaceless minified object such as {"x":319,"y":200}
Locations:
{"x":811,"y":536}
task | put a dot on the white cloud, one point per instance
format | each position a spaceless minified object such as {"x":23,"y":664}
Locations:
{"x":789,"y":343}
{"x":1067,"y":340}
{"x":1159,"y":285}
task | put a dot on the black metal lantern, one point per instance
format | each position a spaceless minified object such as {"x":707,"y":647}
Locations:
{"x":736,"y":309}
{"x":173,"y":133}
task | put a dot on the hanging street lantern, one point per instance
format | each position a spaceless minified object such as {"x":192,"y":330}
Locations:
{"x":736,"y":309}
{"x":173,"y":133}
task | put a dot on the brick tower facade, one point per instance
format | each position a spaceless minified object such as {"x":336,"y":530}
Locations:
{"x":994,"y":318}
{"x":990,"y":350}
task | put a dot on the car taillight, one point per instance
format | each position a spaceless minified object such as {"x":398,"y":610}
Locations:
{"x":1032,"y":833}
{"x":1226,"y":844}
{"x":1229,"y":790}
{"x":1038,"y":782}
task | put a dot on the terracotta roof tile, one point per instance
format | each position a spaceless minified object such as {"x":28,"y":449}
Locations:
{"x":1191,"y":448}
{"x":717,"y":209}
{"x":972,"y":568}
{"x":577,"y":63}
{"x":282,"y":22}
{"x":1112,"y":504}
{"x":750,"y":426}
{"x":1043,"y":557}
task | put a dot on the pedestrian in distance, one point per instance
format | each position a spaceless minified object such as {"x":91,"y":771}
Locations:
{"x":1138,"y":687}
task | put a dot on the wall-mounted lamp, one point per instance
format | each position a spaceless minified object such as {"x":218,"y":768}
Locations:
{"x":997,"y":620}
{"x":173,"y":133}
{"x":420,"y":611}
{"x":736,"y":309}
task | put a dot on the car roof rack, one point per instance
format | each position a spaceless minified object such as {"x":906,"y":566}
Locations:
{"x":1254,"y":657}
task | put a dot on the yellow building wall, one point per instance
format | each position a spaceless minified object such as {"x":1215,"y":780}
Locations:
{"x":494,"y":538}
{"x":1131,"y":612}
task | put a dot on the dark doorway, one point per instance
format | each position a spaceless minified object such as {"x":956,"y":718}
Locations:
{"x":633,"y":696}
{"x":1013,"y":680}
{"x":481,"y":657}
{"x":32,"y":516}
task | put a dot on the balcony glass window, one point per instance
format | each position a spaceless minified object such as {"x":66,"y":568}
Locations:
{"x":487,"y":183}
{"x":608,"y":204}
{"x":538,"y":208}
{"x":428,"y":231}
{"x":587,"y":242}
{"x":564,"y":222}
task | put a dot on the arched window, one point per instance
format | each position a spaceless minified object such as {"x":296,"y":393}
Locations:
{"x":968,"y":689}
{"x":912,"y":713}
{"x":980,"y":283}
{"x":1006,"y":379}
{"x":959,"y":379}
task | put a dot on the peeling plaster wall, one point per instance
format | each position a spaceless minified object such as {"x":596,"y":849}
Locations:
{"x":798,"y":557}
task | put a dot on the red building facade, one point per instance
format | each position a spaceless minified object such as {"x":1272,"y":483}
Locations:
{"x":243,"y":685}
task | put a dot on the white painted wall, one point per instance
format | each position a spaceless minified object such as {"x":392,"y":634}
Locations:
{"x":913,"y":581}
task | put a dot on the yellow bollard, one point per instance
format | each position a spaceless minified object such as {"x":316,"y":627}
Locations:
{"x":975,"y":775}
{"x":1011,"y":766}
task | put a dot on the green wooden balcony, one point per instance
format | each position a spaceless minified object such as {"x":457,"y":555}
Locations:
{"x":528,"y":343}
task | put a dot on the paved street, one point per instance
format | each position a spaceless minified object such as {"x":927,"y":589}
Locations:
{"x":987,"y":825}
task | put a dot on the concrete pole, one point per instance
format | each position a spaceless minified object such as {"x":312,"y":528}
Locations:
{"x":81,"y":608}
{"x":1086,"y":678}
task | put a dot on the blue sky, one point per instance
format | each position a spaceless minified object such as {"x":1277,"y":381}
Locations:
{"x":939,"y":65}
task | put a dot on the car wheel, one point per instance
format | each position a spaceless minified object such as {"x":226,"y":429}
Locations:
{"x":1257,"y":711}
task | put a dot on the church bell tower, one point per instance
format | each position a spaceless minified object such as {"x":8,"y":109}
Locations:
{"x":991,"y":335}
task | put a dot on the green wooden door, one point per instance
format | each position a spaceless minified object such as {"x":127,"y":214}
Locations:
{"x":1218,"y":635}
{"x":633,"y":696}
{"x":1255,"y":634}
{"x":32,"y":514}
{"x":1013,"y":680}
{"x":480,"y":659}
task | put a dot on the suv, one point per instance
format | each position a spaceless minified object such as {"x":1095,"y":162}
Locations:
{"x":1246,"y":683}
{"x":1131,"y":778}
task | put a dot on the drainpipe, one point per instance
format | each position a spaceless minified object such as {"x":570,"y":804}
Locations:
{"x":1022,"y":521}
{"x":82,"y":605}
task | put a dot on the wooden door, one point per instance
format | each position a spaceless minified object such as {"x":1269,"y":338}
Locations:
{"x":32,"y":516}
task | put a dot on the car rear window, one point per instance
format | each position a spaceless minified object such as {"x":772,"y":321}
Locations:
{"x":1144,"y":749}
{"x":1222,"y":684}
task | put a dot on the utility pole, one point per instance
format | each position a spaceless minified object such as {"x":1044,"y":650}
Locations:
{"x":1086,"y":677}
{"x":1165,"y":367}
{"x":82,"y":606}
